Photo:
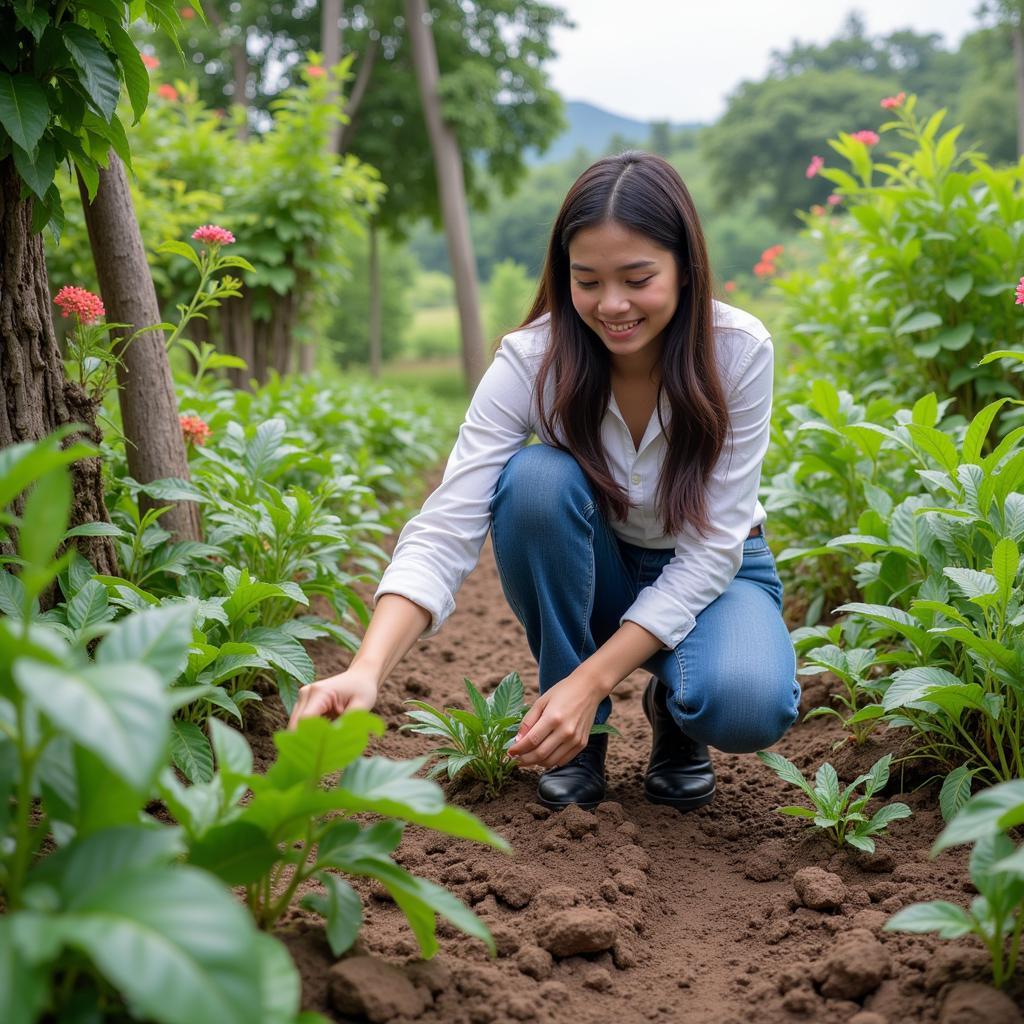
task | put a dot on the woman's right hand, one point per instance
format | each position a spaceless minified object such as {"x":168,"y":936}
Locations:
{"x":354,"y":688}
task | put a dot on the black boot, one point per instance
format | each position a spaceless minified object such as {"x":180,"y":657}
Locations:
{"x":581,"y":781}
{"x":680,"y":773}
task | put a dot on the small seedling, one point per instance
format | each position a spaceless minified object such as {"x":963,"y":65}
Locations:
{"x":477,"y":741}
{"x":832,"y":808}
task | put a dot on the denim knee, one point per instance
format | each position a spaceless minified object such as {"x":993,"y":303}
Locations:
{"x":745,"y":715}
{"x":537,"y":480}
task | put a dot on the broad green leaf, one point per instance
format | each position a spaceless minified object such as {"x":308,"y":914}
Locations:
{"x":972,"y":583}
{"x":282,"y":651}
{"x":45,"y":518}
{"x":826,"y":784}
{"x":37,"y":170}
{"x":317,"y":747}
{"x":956,"y":791}
{"x":174,"y":941}
{"x":136,"y":77}
{"x":280,"y":984}
{"x":24,"y":112}
{"x":95,"y":68}
{"x":1005,"y":560}
{"x":936,"y":444}
{"x":886,"y":815}
{"x":985,"y":814}
{"x":878,"y":775}
{"x":89,"y":606}
{"x":1012,"y":865}
{"x":115,"y":710}
{"x":191,"y":752}
{"x":238,"y":853}
{"x":24,"y":985}
{"x":230,"y":747}
{"x":919,"y":322}
{"x":158,"y":638}
{"x":795,"y":811}
{"x":949,"y":920}
{"x":977,"y":432}
{"x":957,"y":287}
{"x":476,"y":699}
{"x":912,"y":685}
{"x":786,"y":770}
{"x":341,"y":906}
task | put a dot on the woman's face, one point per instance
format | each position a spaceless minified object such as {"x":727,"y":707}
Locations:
{"x":625,"y":287}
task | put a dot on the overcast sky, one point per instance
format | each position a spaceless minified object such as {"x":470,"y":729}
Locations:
{"x":677,"y":60}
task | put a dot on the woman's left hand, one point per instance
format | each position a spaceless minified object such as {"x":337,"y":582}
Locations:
{"x":556,"y":728}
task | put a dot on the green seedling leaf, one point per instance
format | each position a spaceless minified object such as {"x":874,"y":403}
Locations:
{"x":949,"y":920}
{"x":318,"y":747}
{"x":985,"y":814}
{"x":158,"y":638}
{"x":238,"y":853}
{"x":955,"y":792}
{"x":342,"y":908}
{"x":191,"y":751}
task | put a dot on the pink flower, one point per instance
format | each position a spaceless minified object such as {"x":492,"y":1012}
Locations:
{"x":764,"y":269}
{"x":816,"y":164}
{"x":167,"y":92}
{"x":194,"y":430}
{"x":834,"y":199}
{"x":315,"y":71}
{"x":729,"y":286}
{"x":187,"y":13}
{"x":1019,"y":301}
{"x":213,"y":235}
{"x":151,"y":62}
{"x":868,"y":137}
{"x":769,"y":255}
{"x":79,"y":303}
{"x":817,"y":210}
{"x":892,"y":102}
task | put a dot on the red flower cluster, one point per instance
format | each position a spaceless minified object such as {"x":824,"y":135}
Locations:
{"x":167,"y":92}
{"x":211,"y":234}
{"x":834,"y":200}
{"x":766,"y":267}
{"x":816,"y":164}
{"x":868,"y":137}
{"x":315,"y":71}
{"x":187,"y":13}
{"x":151,"y":62}
{"x":729,"y":286}
{"x":194,"y":430}
{"x":892,"y":102}
{"x":1019,"y":301}
{"x":80,"y":303}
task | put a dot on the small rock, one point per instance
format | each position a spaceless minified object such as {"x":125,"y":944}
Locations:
{"x":579,"y":930}
{"x":627,"y":857}
{"x":577,"y":822}
{"x":539,"y":811}
{"x":880,"y":862}
{"x":855,"y":966}
{"x":512,"y":889}
{"x":630,"y":881}
{"x":872,"y":920}
{"x":431,"y":974}
{"x":520,"y":1008}
{"x":553,"y":991}
{"x":800,"y":1000}
{"x":363,"y":986}
{"x":969,"y":1002}
{"x":611,"y":810}
{"x":506,"y":941}
{"x":818,"y":889}
{"x":534,"y":962}
{"x":765,"y":862}
{"x":557,"y":897}
{"x":598,"y":979}
{"x":623,"y":957}
{"x":609,"y":891}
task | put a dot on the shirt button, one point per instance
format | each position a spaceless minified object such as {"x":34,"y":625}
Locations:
{"x":635,"y":478}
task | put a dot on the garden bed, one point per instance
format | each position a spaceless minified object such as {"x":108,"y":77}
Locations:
{"x":693,"y":917}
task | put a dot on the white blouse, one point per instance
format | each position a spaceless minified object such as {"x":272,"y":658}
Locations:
{"x":440,"y":546}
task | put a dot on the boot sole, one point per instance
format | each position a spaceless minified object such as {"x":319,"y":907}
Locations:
{"x":679,"y":803}
{"x":553,"y":806}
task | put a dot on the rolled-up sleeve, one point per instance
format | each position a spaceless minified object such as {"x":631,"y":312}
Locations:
{"x":702,"y":567}
{"x":440,"y":546}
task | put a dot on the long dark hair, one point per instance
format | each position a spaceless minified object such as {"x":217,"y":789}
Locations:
{"x":645,"y":194}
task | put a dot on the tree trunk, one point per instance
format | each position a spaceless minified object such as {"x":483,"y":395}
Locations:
{"x":236,"y":328}
{"x":330,"y":46}
{"x":35,"y":395}
{"x":149,"y":406}
{"x":1017,"y":35}
{"x":240,"y":75}
{"x":452,"y":189}
{"x":356,"y":97}
{"x":375,"y":339}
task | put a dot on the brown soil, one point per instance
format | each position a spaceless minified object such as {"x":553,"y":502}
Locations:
{"x":635,"y":912}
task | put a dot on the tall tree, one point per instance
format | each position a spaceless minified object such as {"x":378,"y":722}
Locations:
{"x":452,"y":186}
{"x":61,"y":74}
{"x":1010,"y":15}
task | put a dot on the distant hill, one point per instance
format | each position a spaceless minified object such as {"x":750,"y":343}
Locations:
{"x":591,"y":127}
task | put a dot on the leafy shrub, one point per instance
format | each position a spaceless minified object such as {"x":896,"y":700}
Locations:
{"x":996,"y":915}
{"x":477,"y":741}
{"x":283,"y":836}
{"x":833,"y":809}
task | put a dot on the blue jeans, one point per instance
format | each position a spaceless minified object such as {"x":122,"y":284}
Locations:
{"x":568,"y":578}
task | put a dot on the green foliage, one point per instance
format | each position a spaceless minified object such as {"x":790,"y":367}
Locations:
{"x":272,"y":833}
{"x":996,"y":915}
{"x":835,"y":810}
{"x":109,"y":917}
{"x":509,"y":293}
{"x":477,"y":740}
{"x":61,"y":75}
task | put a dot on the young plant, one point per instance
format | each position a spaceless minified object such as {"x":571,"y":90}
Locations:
{"x":289,"y":831}
{"x":996,"y":915}
{"x":852,"y":667}
{"x":832,"y":809}
{"x":477,"y":741}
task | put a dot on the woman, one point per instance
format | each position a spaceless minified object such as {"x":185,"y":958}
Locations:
{"x":632,"y":535}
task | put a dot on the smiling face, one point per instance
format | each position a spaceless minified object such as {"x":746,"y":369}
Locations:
{"x":625,"y":288}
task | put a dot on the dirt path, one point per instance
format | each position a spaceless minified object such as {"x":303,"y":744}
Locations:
{"x":697,"y":916}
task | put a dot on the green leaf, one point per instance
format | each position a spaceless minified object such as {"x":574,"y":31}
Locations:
{"x":238,"y":853}
{"x":89,"y":606}
{"x":24,"y":985}
{"x":282,"y":651}
{"x":977,"y":432}
{"x":45,"y":518}
{"x":957,"y":287}
{"x":341,"y":906}
{"x":786,"y":770}
{"x":191,"y":752}
{"x":1005,"y":560}
{"x":174,"y":942}
{"x":878,"y":775}
{"x":317,"y":747}
{"x":826,"y":783}
{"x":885,"y":816}
{"x":919,"y":322}
{"x":230,"y":748}
{"x":956,"y":791}
{"x":476,"y":699}
{"x":158,"y":638}
{"x":912,"y":685}
{"x":37,"y":171}
{"x":115,"y":710}
{"x":949,"y":920}
{"x":136,"y":77}
{"x":24,"y":111}
{"x":95,"y":68}
{"x":280,"y":984}
{"x":983,"y":815}
{"x":955,"y":338}
{"x":795,"y":811}
{"x":180,"y":249}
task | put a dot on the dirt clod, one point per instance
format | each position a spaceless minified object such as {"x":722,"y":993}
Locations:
{"x":578,"y":930}
{"x":972,"y":1003}
{"x":855,"y":966}
{"x":370,"y":988}
{"x":818,"y":889}
{"x":534,"y":962}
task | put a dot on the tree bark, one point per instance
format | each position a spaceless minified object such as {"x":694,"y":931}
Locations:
{"x":1017,"y":35}
{"x":452,"y":188}
{"x":236,"y":328}
{"x":356,"y":97}
{"x":375,"y":318}
{"x":330,"y":46}
{"x":149,"y":406}
{"x":239,"y":64}
{"x":35,"y":395}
